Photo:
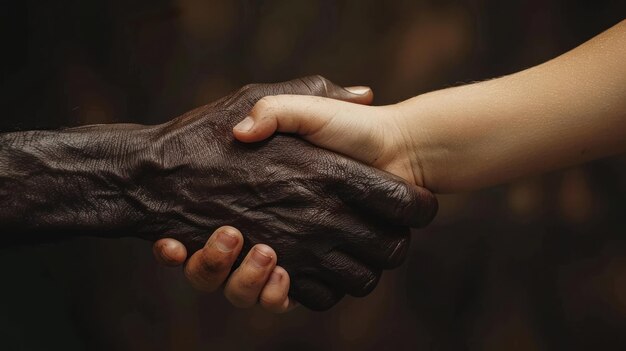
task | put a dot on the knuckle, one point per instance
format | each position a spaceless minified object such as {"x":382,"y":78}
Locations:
{"x":264,"y":105}
{"x":322,"y":85}
{"x":414,"y":207}
{"x":248,"y":87}
{"x":402,"y":194}
{"x":316,"y":85}
{"x":404,"y":202}
{"x":320,"y":79}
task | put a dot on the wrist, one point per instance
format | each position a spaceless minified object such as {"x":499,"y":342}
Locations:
{"x":453,"y":134}
{"x":415,"y":139}
{"x":70,"y":182}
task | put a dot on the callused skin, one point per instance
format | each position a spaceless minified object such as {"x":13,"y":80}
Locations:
{"x":334,"y":223}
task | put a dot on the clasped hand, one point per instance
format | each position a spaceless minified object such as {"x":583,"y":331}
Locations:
{"x":332,"y":223}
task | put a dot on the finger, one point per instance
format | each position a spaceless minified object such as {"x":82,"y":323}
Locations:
{"x":402,"y":203}
{"x":327,"y":123}
{"x":359,"y":95}
{"x":313,"y":293}
{"x":274,"y":296}
{"x":385,"y":248}
{"x":311,"y":85}
{"x":169,"y":252}
{"x":388,"y":197}
{"x":208,"y":268}
{"x":246,"y":283}
{"x":320,"y":86}
{"x":346,"y":272}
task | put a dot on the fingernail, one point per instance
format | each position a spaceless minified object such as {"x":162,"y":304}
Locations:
{"x":275,"y":278}
{"x":260,"y":259}
{"x":359,"y":90}
{"x":226,"y":242}
{"x":245,"y":125}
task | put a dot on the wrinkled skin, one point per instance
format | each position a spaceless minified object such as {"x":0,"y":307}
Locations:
{"x":333,"y":222}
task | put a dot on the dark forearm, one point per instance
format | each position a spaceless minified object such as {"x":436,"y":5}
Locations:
{"x":70,"y":182}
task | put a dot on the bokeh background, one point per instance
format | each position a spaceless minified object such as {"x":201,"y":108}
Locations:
{"x":539,"y":264}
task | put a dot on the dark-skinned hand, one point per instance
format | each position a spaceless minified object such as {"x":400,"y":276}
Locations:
{"x":334,"y":223}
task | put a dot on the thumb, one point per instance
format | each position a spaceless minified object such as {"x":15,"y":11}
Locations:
{"x":340,"y":126}
{"x":245,"y":132}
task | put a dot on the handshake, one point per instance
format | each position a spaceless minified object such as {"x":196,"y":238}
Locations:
{"x":334,"y":223}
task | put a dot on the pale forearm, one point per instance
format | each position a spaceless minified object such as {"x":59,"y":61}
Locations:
{"x":569,"y":110}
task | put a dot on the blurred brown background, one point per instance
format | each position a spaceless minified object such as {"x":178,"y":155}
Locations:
{"x":535,"y":265}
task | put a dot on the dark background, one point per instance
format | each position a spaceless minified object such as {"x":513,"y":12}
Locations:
{"x":539,"y":264}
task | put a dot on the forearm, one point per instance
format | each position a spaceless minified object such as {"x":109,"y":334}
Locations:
{"x":69,"y":182}
{"x":567,"y":111}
